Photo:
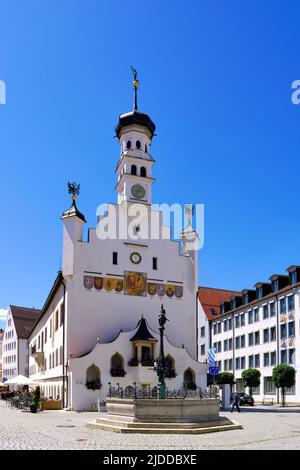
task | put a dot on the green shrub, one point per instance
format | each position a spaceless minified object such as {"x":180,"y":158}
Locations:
{"x":283,"y":377}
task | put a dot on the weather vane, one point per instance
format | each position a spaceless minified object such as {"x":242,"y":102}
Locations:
{"x":189,"y":212}
{"x":74,"y":189}
{"x":135,"y":86}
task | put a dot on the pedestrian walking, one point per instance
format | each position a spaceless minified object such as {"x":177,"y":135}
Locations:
{"x":235,"y":402}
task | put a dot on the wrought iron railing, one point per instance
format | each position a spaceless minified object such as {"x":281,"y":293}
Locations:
{"x":135,"y":392}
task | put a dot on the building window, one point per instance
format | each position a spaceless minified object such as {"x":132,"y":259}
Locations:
{"x":273,"y":333}
{"x":250,"y":339}
{"x":237,"y":363}
{"x":222,"y":309}
{"x":266,"y":360}
{"x":283,"y":331}
{"x":246,"y":299}
{"x":243,"y":342}
{"x":62,"y":313}
{"x":56,"y":320}
{"x":202,"y":349}
{"x":219,"y":346}
{"x":291,"y":328}
{"x":225,"y":325}
{"x":230,"y":324}
{"x":250,"y":317}
{"x":219,"y":327}
{"x":237,"y":342}
{"x":291,"y":356}
{"x":276,"y":285}
{"x":257,"y":360}
{"x":143,"y":172}
{"x":138,"y":144}
{"x":250,"y":361}
{"x":115,"y":258}
{"x":294,"y":277}
{"x":133,"y":169}
{"x":225,"y":364}
{"x":283,"y":356}
{"x":265,"y":312}
{"x":273,"y":358}
{"x":260,"y":293}
{"x":202,"y":331}
{"x":242,"y":319}
{"x":230,"y":344}
{"x":269,"y":387}
{"x":154,"y":263}
{"x":225,"y":345}
{"x":128,"y":145}
{"x":243,"y":362}
{"x":230,"y":364}
{"x":237,"y":321}
{"x":256,"y":315}
{"x":291,"y":303}
{"x":282,"y":306}
{"x":256,"y":337}
{"x":215,"y":328}
{"x":266,"y":335}
{"x":272,"y":309}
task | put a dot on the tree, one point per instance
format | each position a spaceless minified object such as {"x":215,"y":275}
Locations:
{"x":283,"y":377}
{"x":225,"y":378}
{"x":251,"y":378}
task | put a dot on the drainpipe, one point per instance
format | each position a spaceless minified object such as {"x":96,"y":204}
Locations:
{"x":277,"y":341}
{"x":63,"y":358}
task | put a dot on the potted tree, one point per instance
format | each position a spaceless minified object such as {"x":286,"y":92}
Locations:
{"x":36,"y":399}
{"x":283,"y":377}
{"x":251,"y":378}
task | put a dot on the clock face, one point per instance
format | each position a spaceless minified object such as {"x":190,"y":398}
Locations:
{"x":135,"y":258}
{"x":138,"y":191}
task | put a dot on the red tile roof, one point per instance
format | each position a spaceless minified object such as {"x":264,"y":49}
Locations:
{"x":24,"y":319}
{"x":211,"y":298}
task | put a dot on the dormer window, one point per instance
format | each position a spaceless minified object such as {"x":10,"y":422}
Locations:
{"x":222,"y":309}
{"x":294,"y":277}
{"x":246,"y":299}
{"x":260,"y":293}
{"x":276,"y":285}
{"x":128,"y":145}
{"x":138,"y":144}
{"x":233,"y":304}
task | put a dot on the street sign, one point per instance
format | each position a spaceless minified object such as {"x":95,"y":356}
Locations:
{"x":213,"y":370}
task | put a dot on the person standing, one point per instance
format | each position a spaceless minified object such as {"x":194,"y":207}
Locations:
{"x":235,"y":402}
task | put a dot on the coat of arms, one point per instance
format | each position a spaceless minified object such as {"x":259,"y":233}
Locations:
{"x":161,"y":289}
{"x":169,"y":290}
{"x":179,"y":291}
{"x":151,"y":288}
{"x":98,"y":283}
{"x":109,"y":283}
{"x":135,"y":283}
{"x":88,"y":282}
{"x":119,"y":285}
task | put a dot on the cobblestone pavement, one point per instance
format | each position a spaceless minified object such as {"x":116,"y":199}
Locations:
{"x":264,"y":428}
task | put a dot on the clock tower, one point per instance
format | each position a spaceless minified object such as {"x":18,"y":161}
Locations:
{"x":134,"y":169}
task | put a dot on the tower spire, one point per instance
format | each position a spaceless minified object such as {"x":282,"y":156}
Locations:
{"x":135,"y":87}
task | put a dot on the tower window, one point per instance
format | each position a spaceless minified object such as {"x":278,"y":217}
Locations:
{"x":128,"y":145}
{"x":143,"y":171}
{"x":138,"y":144}
{"x":115,"y":257}
{"x":133,"y":169}
{"x":146,"y":148}
{"x":154,"y":263}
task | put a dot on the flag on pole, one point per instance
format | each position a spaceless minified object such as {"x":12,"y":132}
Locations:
{"x":212,"y":357}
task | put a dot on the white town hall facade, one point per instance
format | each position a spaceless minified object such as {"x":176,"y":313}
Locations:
{"x":99,"y":324}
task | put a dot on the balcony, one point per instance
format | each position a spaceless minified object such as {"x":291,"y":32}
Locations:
{"x":39,"y":358}
{"x":117,"y":372}
{"x":133,"y":362}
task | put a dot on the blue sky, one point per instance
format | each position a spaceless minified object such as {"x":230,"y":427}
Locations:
{"x":216,"y":79}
